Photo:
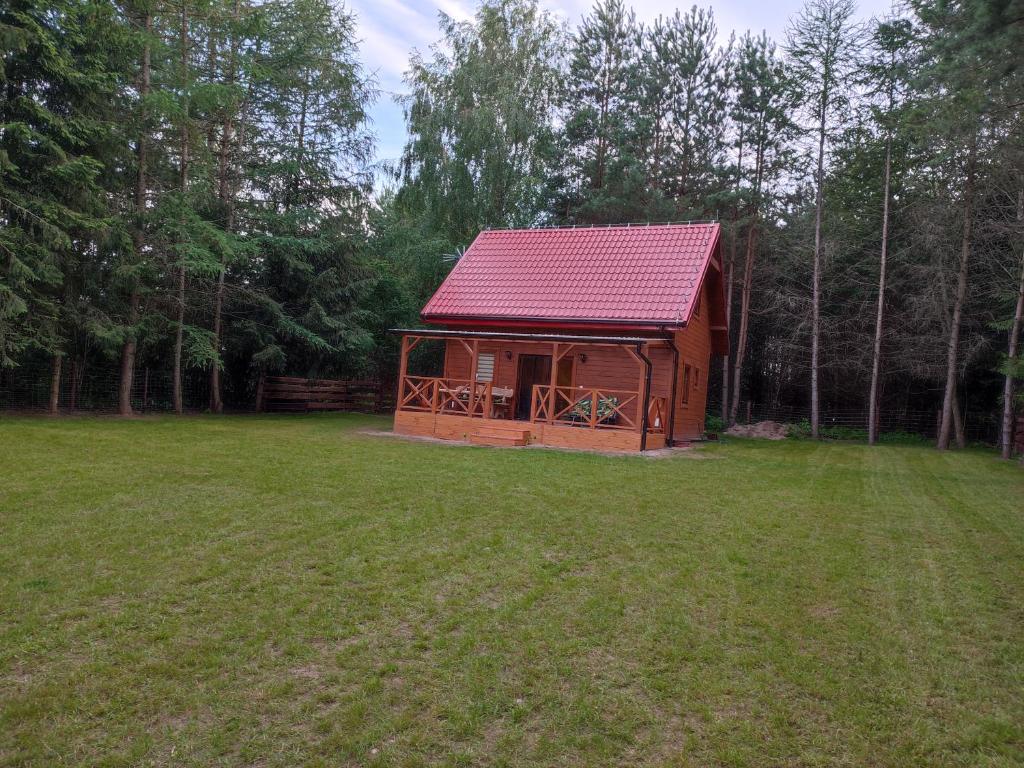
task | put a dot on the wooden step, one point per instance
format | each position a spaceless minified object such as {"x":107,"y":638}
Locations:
{"x":500,"y":434}
{"x":509,"y":438}
{"x":500,"y":430}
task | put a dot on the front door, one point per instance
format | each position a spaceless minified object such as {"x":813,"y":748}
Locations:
{"x":533,"y":369}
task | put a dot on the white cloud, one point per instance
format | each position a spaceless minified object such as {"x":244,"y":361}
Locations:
{"x":460,"y":10}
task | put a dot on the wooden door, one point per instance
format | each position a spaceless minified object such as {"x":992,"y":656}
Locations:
{"x":533,"y":369}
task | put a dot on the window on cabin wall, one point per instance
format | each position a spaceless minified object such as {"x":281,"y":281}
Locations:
{"x":687,"y":375}
{"x":696,"y":307}
{"x":485,"y":367}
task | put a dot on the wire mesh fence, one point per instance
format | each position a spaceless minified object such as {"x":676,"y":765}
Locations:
{"x":979,"y":426}
{"x":94,"y":389}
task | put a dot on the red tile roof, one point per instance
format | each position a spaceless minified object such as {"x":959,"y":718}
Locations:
{"x":646,"y":275}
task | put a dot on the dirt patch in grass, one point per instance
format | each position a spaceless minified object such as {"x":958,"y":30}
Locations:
{"x":763,"y":430}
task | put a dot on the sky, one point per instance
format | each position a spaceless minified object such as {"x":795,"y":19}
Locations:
{"x":390,"y":29}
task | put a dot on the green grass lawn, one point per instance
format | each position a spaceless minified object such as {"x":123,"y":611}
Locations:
{"x":289,"y":591}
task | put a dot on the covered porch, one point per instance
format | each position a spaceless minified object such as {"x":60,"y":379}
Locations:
{"x":597,"y":392}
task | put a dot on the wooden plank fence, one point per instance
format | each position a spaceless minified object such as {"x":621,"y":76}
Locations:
{"x":298,"y":395}
{"x":1018,"y":435}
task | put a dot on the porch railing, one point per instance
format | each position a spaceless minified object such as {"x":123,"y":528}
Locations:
{"x":576,"y":406}
{"x":586,"y":407}
{"x":457,"y":397}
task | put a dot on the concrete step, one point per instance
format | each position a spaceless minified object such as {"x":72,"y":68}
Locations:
{"x":509,"y":438}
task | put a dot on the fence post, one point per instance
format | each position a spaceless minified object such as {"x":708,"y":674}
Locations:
{"x":259,"y":392}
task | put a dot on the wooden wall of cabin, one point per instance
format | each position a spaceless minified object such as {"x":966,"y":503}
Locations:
{"x":694,"y":345}
{"x":608,"y":368}
{"x":615,"y":368}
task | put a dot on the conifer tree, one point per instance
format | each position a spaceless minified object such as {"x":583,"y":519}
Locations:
{"x":888,"y":73}
{"x":823,"y":44}
{"x":57,"y":116}
{"x":689,"y":88}
{"x":762,"y":112}
{"x":597,"y":144}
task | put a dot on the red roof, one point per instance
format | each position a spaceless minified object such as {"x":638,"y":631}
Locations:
{"x":640,"y":275}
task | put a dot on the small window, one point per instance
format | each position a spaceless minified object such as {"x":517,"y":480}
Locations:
{"x":696,"y":378}
{"x":485,"y":366}
{"x":696,"y":307}
{"x":686,"y":383}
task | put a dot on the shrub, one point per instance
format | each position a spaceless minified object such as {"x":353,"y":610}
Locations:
{"x":713,"y":423}
{"x":800,"y":430}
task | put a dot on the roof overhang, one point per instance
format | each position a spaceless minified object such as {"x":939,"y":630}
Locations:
{"x":565,"y":338}
{"x":614,"y":325}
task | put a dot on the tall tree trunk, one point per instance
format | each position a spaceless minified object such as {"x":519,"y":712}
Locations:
{"x":741,"y":337}
{"x":598,"y":181}
{"x":958,"y":305}
{"x":58,"y":359}
{"x":1006,"y":446}
{"x":179,"y":332}
{"x":746,"y":287}
{"x":226,"y":194}
{"x":729,"y":282}
{"x":128,"y":349}
{"x":876,"y":352}
{"x":300,"y":137}
{"x":77,"y":368}
{"x":959,"y":438}
{"x":819,"y":199}
{"x":728,"y":319}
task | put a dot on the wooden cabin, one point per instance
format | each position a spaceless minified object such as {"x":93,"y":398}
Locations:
{"x":597,"y":338}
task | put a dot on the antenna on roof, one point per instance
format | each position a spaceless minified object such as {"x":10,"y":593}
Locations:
{"x":451,"y":258}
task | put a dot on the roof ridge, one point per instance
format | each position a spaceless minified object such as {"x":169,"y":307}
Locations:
{"x":626,"y":225}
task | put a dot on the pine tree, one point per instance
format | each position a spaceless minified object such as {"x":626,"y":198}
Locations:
{"x":596,"y":138}
{"x":762,"y":112}
{"x":686,"y":93}
{"x":822,"y":47}
{"x":888,"y":73}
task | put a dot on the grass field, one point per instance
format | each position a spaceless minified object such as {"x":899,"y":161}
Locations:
{"x":288,"y":591}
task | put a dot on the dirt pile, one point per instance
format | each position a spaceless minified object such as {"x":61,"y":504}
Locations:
{"x":765,"y":430}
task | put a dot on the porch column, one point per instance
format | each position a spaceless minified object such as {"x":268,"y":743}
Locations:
{"x":554,"y":383}
{"x":403,"y":368}
{"x":643,"y":390}
{"x":645,"y":403}
{"x":474,"y":358}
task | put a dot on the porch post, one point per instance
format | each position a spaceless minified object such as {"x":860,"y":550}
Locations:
{"x":474,"y":355}
{"x":554,"y":382}
{"x":641,"y":350}
{"x":670,"y":430}
{"x":403,"y":368}
{"x":639,"y":355}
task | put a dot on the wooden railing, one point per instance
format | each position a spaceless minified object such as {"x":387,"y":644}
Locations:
{"x":576,"y":406}
{"x":593,"y":408}
{"x":457,"y":397}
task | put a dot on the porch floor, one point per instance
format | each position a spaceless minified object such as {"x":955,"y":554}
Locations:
{"x":463,"y":428}
{"x":681,"y":449}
